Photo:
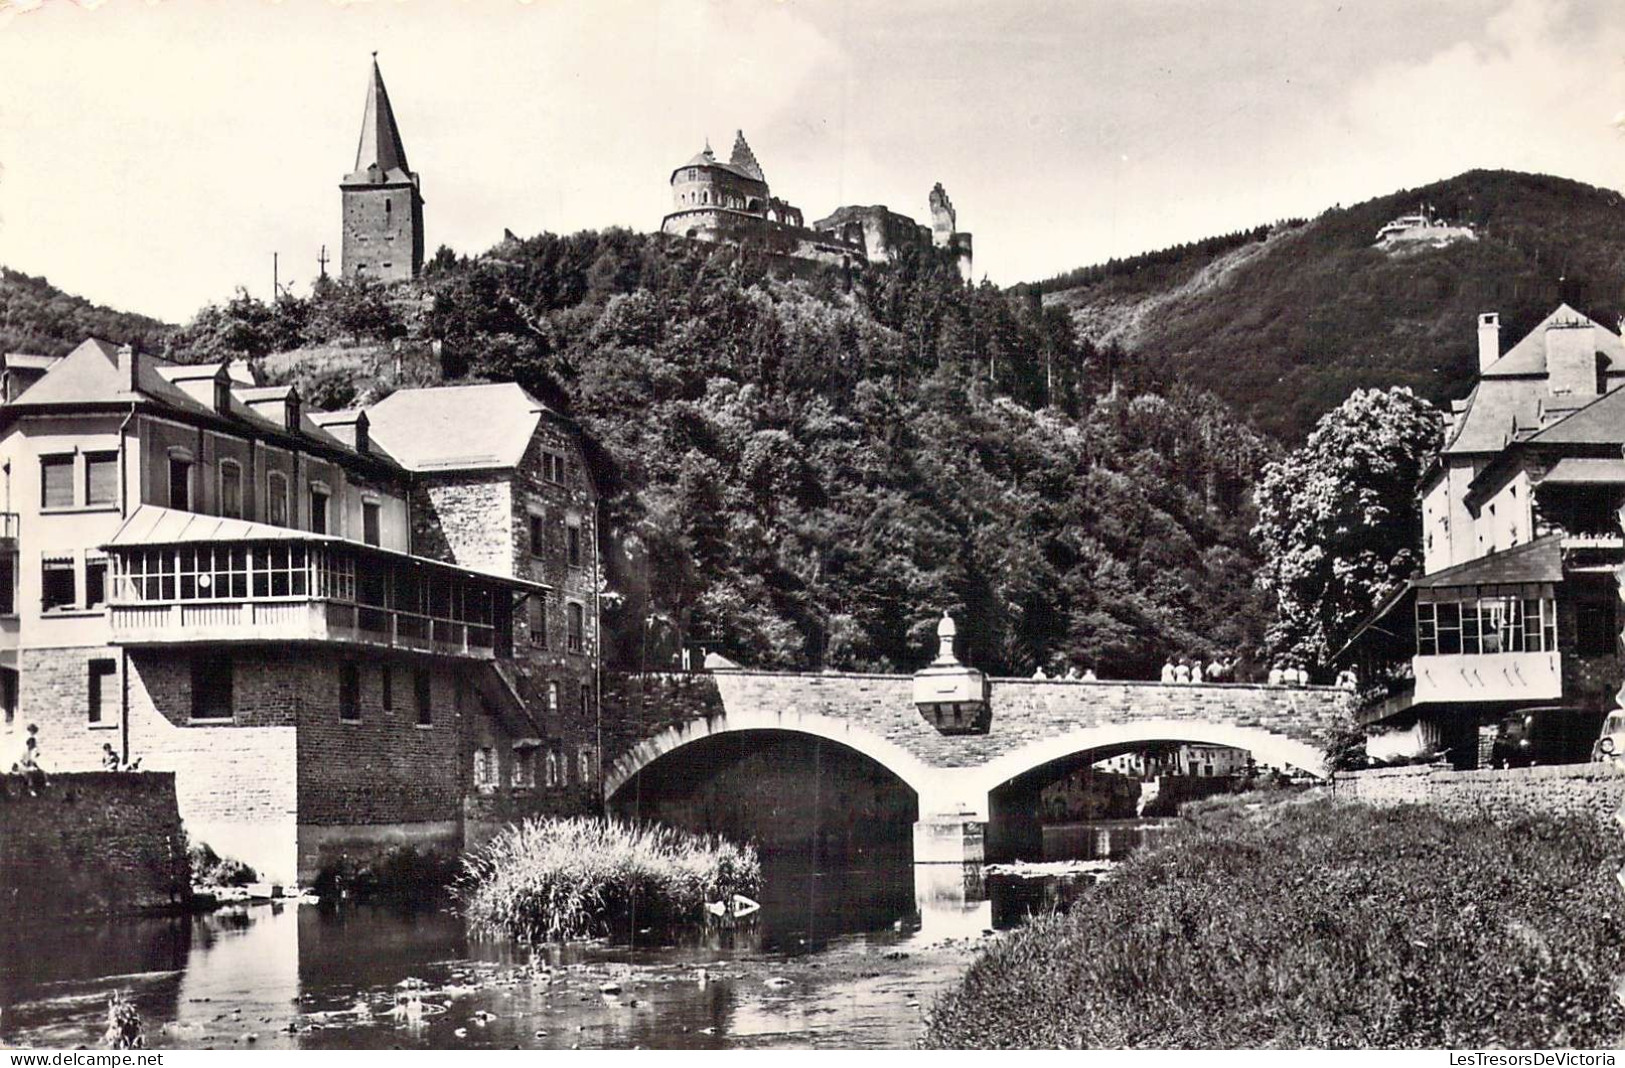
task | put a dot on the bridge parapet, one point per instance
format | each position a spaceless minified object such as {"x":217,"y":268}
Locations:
{"x":1034,"y":722}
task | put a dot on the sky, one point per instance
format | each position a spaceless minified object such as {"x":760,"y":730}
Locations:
{"x":154,"y":155}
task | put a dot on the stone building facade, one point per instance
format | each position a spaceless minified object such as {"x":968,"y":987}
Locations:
{"x":336,"y":648}
{"x":382,"y":198}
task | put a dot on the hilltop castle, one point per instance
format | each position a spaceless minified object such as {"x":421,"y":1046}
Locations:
{"x":712,"y":200}
{"x":730,"y":202}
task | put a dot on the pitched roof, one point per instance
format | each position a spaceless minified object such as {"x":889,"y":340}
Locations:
{"x":29,"y":360}
{"x":1540,"y":560}
{"x":380,"y":142}
{"x":1601,"y":422}
{"x":1511,"y":400}
{"x":90,"y":376}
{"x":1528,"y":357}
{"x":1586,"y":471}
{"x":743,"y":163}
{"x":452,"y":428}
{"x":152,"y":524}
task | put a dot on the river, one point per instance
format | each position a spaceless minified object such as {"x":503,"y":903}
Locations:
{"x":835,"y":959}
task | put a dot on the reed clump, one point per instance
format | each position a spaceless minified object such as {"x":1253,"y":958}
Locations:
{"x":551,"y":879}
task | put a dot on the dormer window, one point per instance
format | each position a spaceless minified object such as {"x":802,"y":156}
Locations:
{"x":222,"y":394}
{"x":290,"y":409}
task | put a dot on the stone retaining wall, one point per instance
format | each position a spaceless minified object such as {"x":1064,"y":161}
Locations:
{"x":1561,"y":790}
{"x":93,"y":842}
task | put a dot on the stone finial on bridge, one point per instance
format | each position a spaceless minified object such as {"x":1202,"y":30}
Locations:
{"x":951,"y":697}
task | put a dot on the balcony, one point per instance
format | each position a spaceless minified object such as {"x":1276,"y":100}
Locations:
{"x":298,"y":620}
{"x":182,"y":578}
{"x":1519,"y":677}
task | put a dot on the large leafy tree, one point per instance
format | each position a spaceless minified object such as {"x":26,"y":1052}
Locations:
{"x":1339,"y":520}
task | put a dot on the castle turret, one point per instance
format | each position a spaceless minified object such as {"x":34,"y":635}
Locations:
{"x":382,"y":200}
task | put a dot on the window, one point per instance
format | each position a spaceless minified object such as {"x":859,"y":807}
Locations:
{"x":555,"y":773}
{"x":524,"y":768}
{"x":57,"y":586}
{"x":424,"y":694}
{"x":95,"y":581}
{"x":386,"y":687}
{"x":586,"y":698}
{"x":231,"y":489}
{"x":485,"y":768}
{"x":1486,"y":625}
{"x":572,"y":542}
{"x":276,"y":498}
{"x":589,"y":763}
{"x":349,"y":692}
{"x":101,"y":478}
{"x":553,"y":697}
{"x":538,"y":619}
{"x":8,"y":694}
{"x":553,"y":468}
{"x":369,"y":522}
{"x":101,"y":686}
{"x":1597,"y":633}
{"x":56,"y":482}
{"x":8,"y":584}
{"x":538,"y":535}
{"x":318,"y":510}
{"x":576,"y":619}
{"x":180,"y":483}
{"x":211,"y":687}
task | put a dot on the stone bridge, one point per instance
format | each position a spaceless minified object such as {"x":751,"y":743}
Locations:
{"x":957,"y":776}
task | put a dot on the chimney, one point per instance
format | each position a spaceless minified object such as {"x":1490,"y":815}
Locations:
{"x":129,"y":367}
{"x":1571,"y":358}
{"x":1489,"y":340}
{"x":361,"y":443}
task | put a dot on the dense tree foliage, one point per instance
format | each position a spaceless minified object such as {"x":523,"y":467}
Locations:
{"x":37,"y":317}
{"x":1339,"y":521}
{"x":803,"y":469}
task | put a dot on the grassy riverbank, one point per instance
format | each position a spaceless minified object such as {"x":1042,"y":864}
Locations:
{"x":552,"y":879}
{"x":1313,"y":923}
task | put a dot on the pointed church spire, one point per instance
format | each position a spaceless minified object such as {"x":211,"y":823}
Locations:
{"x":380,"y":142}
{"x":744,"y":159}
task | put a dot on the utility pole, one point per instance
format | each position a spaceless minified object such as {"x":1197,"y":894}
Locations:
{"x":275,"y":279}
{"x":321,"y":261}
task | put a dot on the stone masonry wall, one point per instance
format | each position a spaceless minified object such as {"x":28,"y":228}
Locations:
{"x":91,"y":842}
{"x":1568,"y":790}
{"x":637,"y":707}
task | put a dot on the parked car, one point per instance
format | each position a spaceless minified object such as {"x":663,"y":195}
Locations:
{"x":1547,"y":736}
{"x":1612,"y":739}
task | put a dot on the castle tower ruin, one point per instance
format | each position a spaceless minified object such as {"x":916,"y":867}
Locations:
{"x":945,"y":230}
{"x":382,"y":200}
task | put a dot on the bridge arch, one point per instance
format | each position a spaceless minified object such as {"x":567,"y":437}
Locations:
{"x":915,"y":774}
{"x":1267,"y":747}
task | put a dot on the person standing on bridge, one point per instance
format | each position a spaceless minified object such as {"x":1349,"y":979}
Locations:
{"x":1168,"y":672}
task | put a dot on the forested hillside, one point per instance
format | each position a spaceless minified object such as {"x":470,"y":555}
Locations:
{"x":39,"y":318}
{"x":1285,"y":323}
{"x":805,"y":471}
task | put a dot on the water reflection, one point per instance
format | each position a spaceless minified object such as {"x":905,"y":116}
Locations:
{"x":856,"y":943}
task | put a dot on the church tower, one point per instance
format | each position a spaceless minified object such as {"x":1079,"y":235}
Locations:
{"x":383,"y":207}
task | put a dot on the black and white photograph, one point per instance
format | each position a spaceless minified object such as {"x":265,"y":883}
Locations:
{"x":812,"y":524}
